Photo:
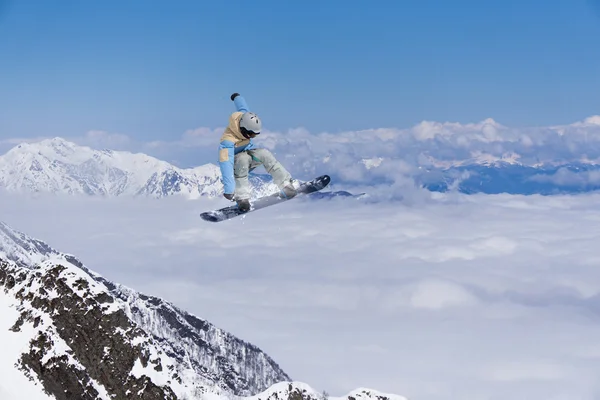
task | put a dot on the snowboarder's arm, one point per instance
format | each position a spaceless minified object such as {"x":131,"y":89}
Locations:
{"x":240,"y":102}
{"x":226,"y":158}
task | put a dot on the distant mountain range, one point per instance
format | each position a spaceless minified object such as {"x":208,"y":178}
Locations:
{"x":62,"y":167}
{"x":492,"y":175}
{"x":58,"y":166}
{"x":569,"y":178}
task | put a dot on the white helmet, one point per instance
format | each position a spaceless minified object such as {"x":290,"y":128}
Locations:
{"x":250,"y":124}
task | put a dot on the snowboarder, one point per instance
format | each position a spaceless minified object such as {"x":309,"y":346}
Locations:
{"x":238,"y":155}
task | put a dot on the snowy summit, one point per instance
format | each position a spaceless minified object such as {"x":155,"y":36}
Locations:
{"x":59,"y":166}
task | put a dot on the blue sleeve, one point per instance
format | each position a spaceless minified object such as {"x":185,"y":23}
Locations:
{"x":226,"y":158}
{"x":240,"y":104}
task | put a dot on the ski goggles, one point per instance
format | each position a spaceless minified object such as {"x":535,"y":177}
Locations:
{"x":247,"y":132}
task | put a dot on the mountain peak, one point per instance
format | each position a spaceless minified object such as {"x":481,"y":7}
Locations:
{"x":57,"y":165}
{"x":58,"y":141}
{"x":55,"y":142}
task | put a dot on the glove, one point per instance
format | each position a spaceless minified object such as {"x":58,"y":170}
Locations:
{"x":233,"y":96}
{"x":228,"y":196}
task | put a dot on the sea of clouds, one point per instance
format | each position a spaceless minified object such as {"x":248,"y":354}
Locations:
{"x":446,"y":296}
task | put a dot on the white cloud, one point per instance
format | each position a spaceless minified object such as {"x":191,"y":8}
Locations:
{"x":105,"y":140}
{"x":441,"y":297}
{"x":566,"y":177}
{"x":201,"y":137}
{"x":523,"y":370}
{"x":400,"y":152}
{"x":437,"y":295}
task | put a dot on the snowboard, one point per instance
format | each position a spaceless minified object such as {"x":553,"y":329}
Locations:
{"x":233,"y":211}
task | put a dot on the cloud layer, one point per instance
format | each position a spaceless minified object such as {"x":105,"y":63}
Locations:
{"x":395,"y":156}
{"x":448,"y":297}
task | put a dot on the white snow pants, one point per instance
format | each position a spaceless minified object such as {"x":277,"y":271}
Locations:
{"x":246,"y":161}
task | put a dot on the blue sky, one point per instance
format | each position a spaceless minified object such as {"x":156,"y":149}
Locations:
{"x":154,"y":69}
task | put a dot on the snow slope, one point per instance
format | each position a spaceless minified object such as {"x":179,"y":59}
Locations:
{"x":96,"y":337}
{"x":300,"y":390}
{"x":14,"y":384}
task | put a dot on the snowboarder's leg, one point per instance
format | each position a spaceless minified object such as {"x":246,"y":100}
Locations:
{"x":281,"y":177}
{"x":241,"y":166}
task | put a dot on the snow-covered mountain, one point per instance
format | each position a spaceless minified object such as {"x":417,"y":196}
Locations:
{"x":58,"y":166}
{"x":302,"y":391}
{"x":87,"y":335}
{"x":68,"y":333}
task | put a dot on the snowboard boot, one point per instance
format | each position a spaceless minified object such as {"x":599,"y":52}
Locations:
{"x":289,"y":190}
{"x":243,"y":205}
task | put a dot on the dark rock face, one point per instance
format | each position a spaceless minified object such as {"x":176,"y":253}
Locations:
{"x":99,"y":342}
